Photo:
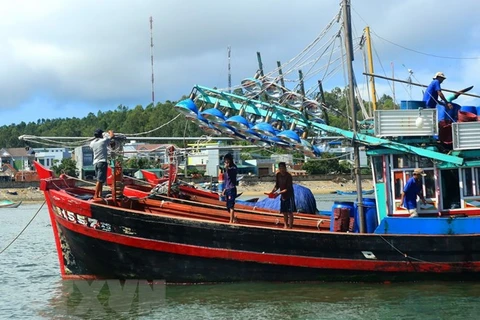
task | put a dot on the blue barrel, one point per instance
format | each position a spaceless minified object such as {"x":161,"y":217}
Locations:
{"x":470,"y":109}
{"x":341,"y":204}
{"x":370,"y":213}
{"x":448,"y":114}
{"x":412,"y":104}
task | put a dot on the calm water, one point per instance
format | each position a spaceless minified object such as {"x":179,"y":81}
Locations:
{"x":31,"y":288}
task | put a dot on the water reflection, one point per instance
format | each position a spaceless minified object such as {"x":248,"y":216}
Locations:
{"x":277,"y":301}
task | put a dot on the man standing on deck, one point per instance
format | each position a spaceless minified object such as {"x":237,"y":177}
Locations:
{"x":284,"y":185}
{"x":230,"y":188}
{"x":99,"y":146}
{"x":412,"y":189}
{"x":434,"y":91}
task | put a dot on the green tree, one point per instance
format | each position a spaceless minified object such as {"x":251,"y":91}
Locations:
{"x":67,"y":166}
{"x":327,"y":163}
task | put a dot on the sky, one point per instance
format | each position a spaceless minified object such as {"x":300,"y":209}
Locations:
{"x":67,"y":58}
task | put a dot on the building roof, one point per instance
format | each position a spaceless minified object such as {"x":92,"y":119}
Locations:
{"x":17,"y":152}
{"x":150,"y":147}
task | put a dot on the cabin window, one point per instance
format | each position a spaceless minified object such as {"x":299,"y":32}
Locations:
{"x":477,"y":180}
{"x":403,"y":169}
{"x":468,"y":182}
{"x":403,"y":161}
{"x":429,"y":183}
{"x":398,"y":178}
{"x":425,"y":163}
{"x":450,"y":189}
{"x":378,"y":167}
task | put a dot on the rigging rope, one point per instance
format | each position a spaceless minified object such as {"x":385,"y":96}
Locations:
{"x":18,"y":235}
{"x":61,"y":142}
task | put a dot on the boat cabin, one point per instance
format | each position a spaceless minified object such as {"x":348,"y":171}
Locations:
{"x":451,"y":185}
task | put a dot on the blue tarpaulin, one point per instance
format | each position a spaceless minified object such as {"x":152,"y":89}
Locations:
{"x":304,"y":201}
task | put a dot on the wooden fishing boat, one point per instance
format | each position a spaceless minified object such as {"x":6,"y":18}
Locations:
{"x":189,"y":241}
{"x":154,"y":239}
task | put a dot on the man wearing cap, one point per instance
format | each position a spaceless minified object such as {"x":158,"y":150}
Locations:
{"x":99,"y":146}
{"x":412,"y":189}
{"x":434,"y":91}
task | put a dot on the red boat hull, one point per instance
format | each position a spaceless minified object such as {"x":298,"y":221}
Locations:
{"x":160,"y":240}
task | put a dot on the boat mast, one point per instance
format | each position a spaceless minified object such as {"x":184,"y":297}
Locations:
{"x":356,"y":153}
{"x":370,"y":68}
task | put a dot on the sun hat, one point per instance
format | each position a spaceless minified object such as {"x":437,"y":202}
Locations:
{"x":419,"y":171}
{"x":439,"y":74}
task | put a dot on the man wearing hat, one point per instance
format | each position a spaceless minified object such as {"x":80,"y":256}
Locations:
{"x":99,"y":146}
{"x":412,"y":189}
{"x":434,"y":91}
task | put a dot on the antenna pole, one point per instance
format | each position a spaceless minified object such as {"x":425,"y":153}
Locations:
{"x":393,"y":83}
{"x":151,"y":58}
{"x":229,"y":71}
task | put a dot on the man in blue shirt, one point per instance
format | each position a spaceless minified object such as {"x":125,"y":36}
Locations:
{"x":412,"y":189}
{"x":434,"y":91}
{"x":230,"y":189}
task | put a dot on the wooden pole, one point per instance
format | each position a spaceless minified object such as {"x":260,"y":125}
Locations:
{"x":356,"y":153}
{"x":322,"y":100}
{"x":370,"y":68}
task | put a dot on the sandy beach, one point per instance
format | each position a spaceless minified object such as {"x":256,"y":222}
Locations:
{"x":33,"y":194}
{"x":317,"y":187}
{"x":30,"y":194}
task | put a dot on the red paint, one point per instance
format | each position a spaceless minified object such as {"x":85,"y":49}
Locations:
{"x":81,"y":277}
{"x":69,"y":203}
{"x":43,"y":173}
{"x":270,"y":258}
{"x":55,"y":233}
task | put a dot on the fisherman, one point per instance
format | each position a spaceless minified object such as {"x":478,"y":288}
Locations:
{"x":434,"y":91}
{"x":99,"y":146}
{"x":412,"y":189}
{"x":284,"y":187}
{"x":230,"y":185}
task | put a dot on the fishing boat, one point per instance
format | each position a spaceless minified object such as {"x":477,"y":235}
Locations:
{"x":371,"y":239}
{"x":353,"y":192}
{"x":121,"y":237}
{"x":9,"y":204}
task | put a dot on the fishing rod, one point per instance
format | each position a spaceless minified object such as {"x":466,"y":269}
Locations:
{"x":418,"y":84}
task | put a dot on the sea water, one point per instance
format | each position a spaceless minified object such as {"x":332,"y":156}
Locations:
{"x":31,"y":288}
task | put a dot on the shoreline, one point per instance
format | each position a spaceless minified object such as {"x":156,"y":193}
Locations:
{"x":250,"y":189}
{"x":317,"y":187}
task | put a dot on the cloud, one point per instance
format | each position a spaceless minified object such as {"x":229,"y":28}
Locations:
{"x":97,"y":54}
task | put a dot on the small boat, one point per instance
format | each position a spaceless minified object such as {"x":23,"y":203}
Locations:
{"x":353,"y":193}
{"x":9,"y":204}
